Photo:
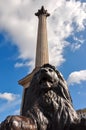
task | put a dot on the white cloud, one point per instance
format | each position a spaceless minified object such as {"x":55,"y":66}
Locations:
{"x":17,"y":18}
{"x":10,"y":102}
{"x":75,"y":46}
{"x":77,"y":77}
{"x":8,"y":96}
{"x":22,"y":64}
{"x":78,"y":43}
{"x":65,"y":20}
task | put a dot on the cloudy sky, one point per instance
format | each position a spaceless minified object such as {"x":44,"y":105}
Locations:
{"x":66,"y":28}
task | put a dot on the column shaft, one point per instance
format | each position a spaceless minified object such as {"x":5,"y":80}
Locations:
{"x":42,"y":43}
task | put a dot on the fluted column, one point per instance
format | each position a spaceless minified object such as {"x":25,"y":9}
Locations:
{"x":41,"y":52}
{"x":42,"y":42}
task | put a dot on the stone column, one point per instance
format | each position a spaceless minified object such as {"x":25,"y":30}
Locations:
{"x":41,"y":52}
{"x":42,"y":42}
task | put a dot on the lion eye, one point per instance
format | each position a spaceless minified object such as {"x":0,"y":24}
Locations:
{"x":50,"y":70}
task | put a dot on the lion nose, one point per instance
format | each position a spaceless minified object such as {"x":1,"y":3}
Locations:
{"x":43,"y":70}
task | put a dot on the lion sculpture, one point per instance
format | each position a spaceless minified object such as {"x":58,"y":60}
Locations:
{"x":47,"y":105}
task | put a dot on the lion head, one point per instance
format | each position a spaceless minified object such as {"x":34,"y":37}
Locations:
{"x":48,"y":99}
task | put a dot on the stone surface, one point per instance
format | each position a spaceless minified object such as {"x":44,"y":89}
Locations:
{"x":42,"y":42}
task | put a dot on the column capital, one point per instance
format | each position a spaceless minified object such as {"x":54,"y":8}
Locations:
{"x":42,"y":11}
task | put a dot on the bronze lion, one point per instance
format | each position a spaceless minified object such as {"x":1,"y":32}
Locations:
{"x":47,"y":105}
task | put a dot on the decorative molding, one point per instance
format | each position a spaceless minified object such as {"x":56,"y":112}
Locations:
{"x":42,"y":11}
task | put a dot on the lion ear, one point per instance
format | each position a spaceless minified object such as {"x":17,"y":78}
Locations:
{"x":60,"y":75}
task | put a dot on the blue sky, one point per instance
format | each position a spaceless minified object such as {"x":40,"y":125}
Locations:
{"x":67,"y":47}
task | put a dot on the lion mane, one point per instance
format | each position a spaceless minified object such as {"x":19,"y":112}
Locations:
{"x":48,"y":100}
